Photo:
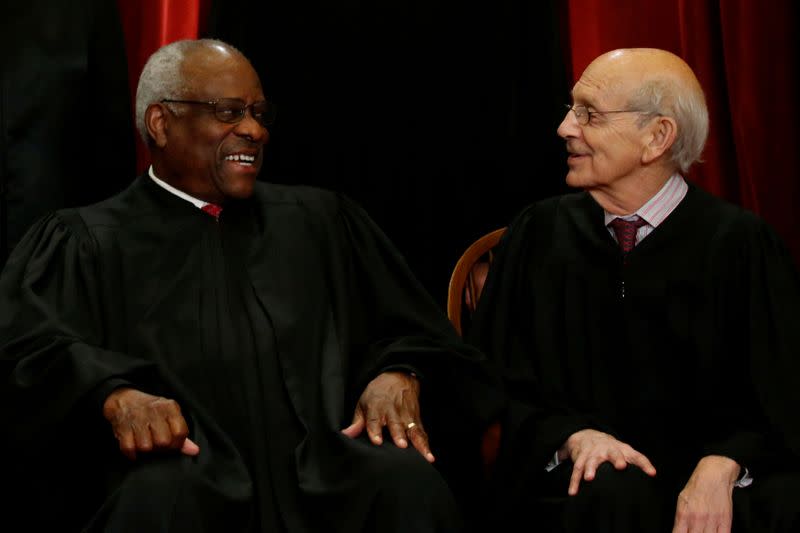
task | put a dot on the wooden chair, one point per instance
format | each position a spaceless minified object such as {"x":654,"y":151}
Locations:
{"x":469,"y":275}
{"x":466,"y":284}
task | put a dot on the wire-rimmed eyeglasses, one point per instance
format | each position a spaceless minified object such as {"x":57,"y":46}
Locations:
{"x":232,"y":110}
{"x":584,"y":116}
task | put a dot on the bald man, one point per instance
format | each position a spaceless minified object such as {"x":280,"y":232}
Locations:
{"x":647,"y":330}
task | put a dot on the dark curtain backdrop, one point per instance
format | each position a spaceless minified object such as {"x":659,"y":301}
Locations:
{"x":745,"y":54}
{"x":437,"y":116}
{"x":65,"y":122}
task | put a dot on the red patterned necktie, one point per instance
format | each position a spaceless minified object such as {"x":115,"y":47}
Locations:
{"x":212,"y":209}
{"x":625,"y":230}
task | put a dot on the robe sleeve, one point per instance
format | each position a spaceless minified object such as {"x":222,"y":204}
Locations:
{"x":758,"y":297}
{"x":394,"y":323}
{"x":52,"y":316}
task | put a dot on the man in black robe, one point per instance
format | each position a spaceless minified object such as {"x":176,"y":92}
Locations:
{"x":206,"y":353}
{"x":648,"y":331}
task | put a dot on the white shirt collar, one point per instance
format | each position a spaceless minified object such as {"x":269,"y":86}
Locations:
{"x":177,"y":192}
{"x":659,"y":207}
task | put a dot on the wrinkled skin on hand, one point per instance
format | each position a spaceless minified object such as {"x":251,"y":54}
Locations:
{"x":706,"y":502}
{"x":146,"y":423}
{"x":391,"y":401}
{"x":589,"y":448}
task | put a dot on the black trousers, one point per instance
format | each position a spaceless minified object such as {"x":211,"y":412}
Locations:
{"x":622,"y":501}
{"x":171,"y":495}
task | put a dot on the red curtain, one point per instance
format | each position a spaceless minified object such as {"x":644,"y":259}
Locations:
{"x":744,"y":55}
{"x":150,"y":24}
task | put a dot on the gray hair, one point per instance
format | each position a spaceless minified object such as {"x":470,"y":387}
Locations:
{"x":162,"y":76}
{"x":687,"y":105}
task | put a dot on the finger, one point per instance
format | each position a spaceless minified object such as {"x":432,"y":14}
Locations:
{"x":398,"y":432}
{"x":179,"y":430}
{"x":375,"y":428}
{"x":638,"y":459}
{"x":680,"y":526}
{"x":723,"y":528}
{"x":356,"y":427}
{"x":617,"y":458}
{"x":189,"y":447}
{"x":575,"y":479}
{"x":161,"y":435}
{"x":419,"y":438}
{"x":726,"y":524}
{"x":127,"y":443}
{"x":141,"y":434}
{"x":590,"y":469}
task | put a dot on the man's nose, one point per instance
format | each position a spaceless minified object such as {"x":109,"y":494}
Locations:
{"x":251,"y":128}
{"x":569,"y":127}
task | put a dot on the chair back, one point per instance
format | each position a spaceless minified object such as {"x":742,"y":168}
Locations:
{"x":468,"y":277}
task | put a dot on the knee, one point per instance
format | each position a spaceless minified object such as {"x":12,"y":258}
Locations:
{"x":406,"y":474}
{"x":174,"y":490}
{"x":413,"y":496}
{"x":617,"y":490}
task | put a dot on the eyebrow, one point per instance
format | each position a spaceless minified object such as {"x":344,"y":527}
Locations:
{"x":586,"y":103}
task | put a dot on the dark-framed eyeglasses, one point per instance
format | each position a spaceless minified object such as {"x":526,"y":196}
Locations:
{"x":584,"y":116}
{"x":232,"y":110}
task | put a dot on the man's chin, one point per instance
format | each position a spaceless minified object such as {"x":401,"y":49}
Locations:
{"x":238,"y":188}
{"x":574,"y":179}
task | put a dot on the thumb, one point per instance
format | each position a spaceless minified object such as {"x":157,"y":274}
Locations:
{"x":356,"y":427}
{"x":190,"y":448}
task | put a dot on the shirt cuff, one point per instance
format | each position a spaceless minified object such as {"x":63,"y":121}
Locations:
{"x":745,"y":480}
{"x":554,"y":462}
{"x":408,"y":369}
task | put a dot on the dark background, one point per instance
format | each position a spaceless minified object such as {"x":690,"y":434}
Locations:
{"x":432,"y":114}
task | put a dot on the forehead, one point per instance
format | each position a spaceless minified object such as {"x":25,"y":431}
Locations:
{"x":213,"y":74}
{"x":603,"y":84}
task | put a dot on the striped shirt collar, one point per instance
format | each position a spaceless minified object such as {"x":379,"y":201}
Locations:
{"x":659,"y":207}
{"x":200,"y":204}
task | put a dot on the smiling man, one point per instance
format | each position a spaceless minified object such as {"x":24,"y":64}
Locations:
{"x":208,"y":353}
{"x":651,"y":327}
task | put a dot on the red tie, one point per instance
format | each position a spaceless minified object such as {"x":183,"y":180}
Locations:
{"x":625,"y":230}
{"x":212,"y":209}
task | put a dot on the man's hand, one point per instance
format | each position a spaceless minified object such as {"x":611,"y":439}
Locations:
{"x":706,"y":502}
{"x":391,"y":400}
{"x":145,"y":423}
{"x":589,"y":448}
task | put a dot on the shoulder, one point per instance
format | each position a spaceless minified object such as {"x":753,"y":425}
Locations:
{"x":128,"y":206}
{"x":306,"y":201}
{"x":722,"y":216}
{"x":732,"y":231}
{"x":546,"y":212}
{"x":299,"y":196}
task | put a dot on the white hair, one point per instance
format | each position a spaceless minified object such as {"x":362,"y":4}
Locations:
{"x":687,"y":105}
{"x":163,"y":77}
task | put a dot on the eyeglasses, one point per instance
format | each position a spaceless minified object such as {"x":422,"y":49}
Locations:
{"x":232,"y":110}
{"x":583,"y":115}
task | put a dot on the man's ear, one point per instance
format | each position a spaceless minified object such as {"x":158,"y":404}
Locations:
{"x":155,"y":120}
{"x":661,"y":136}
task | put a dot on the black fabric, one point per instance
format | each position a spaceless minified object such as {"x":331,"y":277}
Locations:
{"x":264,"y":326}
{"x":66,"y":132}
{"x":629,"y":501}
{"x":699,"y":357}
{"x":436,"y":115}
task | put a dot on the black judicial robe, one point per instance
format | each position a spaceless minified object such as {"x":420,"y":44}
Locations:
{"x":700,"y":355}
{"x":265,"y":326}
